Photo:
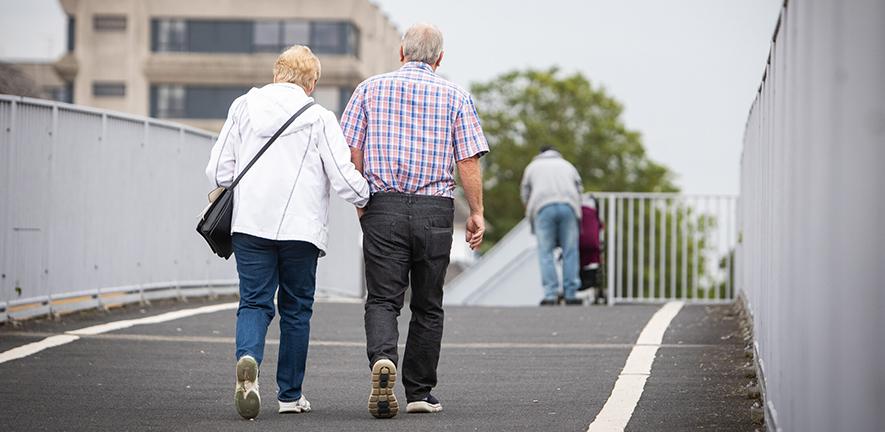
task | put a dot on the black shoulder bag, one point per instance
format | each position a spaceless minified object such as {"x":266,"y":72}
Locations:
{"x":215,"y":221}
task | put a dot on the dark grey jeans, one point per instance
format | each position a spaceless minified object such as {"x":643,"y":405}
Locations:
{"x":406,"y":242}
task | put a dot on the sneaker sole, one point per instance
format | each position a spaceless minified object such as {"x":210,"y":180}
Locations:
{"x":248,"y":402}
{"x":382,"y":401}
{"x":423,"y":407}
{"x":299,"y":410}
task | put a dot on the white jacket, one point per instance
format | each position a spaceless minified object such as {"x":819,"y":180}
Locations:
{"x":285,"y":195}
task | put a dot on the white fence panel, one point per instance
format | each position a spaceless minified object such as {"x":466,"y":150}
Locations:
{"x":656,"y":248}
{"x":811,"y":260}
{"x":661,"y":247}
{"x":100,"y":208}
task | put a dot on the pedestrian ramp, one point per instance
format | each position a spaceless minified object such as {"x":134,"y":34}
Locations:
{"x":507,"y":275}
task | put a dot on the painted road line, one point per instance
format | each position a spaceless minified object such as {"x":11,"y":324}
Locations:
{"x":70,"y":336}
{"x":168,"y":316}
{"x":35,"y":347}
{"x":618,"y":409}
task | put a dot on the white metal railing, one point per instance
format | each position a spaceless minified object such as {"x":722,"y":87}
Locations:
{"x":661,"y":247}
{"x":98,"y":208}
{"x":657,"y":248}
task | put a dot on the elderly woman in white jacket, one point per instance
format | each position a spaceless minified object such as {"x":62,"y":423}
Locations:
{"x":281,"y":209}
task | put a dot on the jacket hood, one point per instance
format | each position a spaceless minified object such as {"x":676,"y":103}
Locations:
{"x":270,"y":106}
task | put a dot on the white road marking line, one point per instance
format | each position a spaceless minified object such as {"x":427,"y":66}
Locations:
{"x":168,"y":316}
{"x":35,"y":347}
{"x":70,"y":336}
{"x":619,"y":407}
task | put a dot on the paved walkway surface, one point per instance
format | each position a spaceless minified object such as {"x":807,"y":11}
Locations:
{"x":501,"y":369}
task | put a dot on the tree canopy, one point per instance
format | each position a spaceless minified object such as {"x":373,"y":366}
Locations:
{"x":524,"y":110}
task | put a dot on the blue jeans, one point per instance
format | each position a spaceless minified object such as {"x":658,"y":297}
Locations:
{"x":556,"y":225}
{"x":263,"y":265}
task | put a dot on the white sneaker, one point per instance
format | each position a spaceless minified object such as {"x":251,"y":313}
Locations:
{"x":429,"y":404}
{"x":247,"y":398}
{"x":382,"y":401}
{"x":299,"y":406}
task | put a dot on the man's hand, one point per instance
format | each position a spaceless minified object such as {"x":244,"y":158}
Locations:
{"x":476,"y":228}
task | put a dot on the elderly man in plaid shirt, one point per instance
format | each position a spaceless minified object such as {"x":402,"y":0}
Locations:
{"x":407,"y":130}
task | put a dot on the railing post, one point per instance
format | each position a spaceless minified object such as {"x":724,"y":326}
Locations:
{"x":610,"y":226}
{"x":651,"y":249}
{"x":640,"y":259}
{"x":629,"y":226}
{"x":8,"y":276}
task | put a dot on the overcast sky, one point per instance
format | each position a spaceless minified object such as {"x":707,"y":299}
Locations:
{"x":685,"y":70}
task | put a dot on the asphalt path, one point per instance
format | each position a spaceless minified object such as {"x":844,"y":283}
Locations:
{"x":501,"y":369}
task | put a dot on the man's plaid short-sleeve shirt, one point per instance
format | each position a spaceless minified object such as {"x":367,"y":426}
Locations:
{"x":412,"y":126}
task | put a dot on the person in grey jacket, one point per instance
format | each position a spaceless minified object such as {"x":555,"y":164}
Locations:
{"x":551,"y":192}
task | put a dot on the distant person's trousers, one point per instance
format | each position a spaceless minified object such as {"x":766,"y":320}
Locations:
{"x":556,"y":225}
{"x":263,"y":265}
{"x":407,"y":240}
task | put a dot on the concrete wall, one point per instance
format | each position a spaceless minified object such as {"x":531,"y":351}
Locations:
{"x":811,"y":263}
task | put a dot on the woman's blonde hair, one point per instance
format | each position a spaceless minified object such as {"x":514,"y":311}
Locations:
{"x":297,"y":65}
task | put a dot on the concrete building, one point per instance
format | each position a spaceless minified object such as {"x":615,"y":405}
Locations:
{"x":187,"y":60}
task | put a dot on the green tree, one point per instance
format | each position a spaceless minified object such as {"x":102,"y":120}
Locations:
{"x":523,"y":110}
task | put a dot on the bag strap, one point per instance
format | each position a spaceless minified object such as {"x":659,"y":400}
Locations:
{"x":269,"y":142}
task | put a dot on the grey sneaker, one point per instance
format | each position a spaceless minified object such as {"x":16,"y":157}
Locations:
{"x":247,"y":398}
{"x":299,"y":406}
{"x":429,"y":404}
{"x":382,"y":401}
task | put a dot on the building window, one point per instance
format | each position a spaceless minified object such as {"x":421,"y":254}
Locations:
{"x":174,"y":101}
{"x":333,"y":38}
{"x":193,"y":102}
{"x":59,"y":93}
{"x":108,"y":89}
{"x":72,"y":30}
{"x":109,"y":23}
{"x":295,"y":33}
{"x":167,"y":101}
{"x":220,"y":36}
{"x":345,"y":93}
{"x":168,"y":35}
{"x":69,"y":92}
{"x":323,"y":37}
{"x":268,"y":36}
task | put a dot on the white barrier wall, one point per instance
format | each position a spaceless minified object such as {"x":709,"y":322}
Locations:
{"x":100,"y":207}
{"x":811,"y":263}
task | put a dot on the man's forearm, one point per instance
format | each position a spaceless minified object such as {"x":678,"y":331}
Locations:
{"x":356,"y":156}
{"x":471,"y":181}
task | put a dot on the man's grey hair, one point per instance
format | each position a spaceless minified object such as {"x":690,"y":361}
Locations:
{"x":423,"y":42}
